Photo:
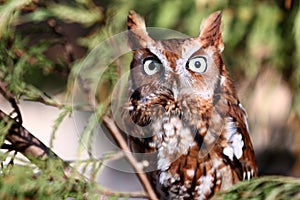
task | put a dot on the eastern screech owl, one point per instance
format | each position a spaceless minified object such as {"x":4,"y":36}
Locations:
{"x":183,"y":113}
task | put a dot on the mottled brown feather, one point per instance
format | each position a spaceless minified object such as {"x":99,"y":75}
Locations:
{"x":191,"y":125}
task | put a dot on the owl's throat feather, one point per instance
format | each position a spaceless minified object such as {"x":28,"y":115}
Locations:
{"x":169,"y":123}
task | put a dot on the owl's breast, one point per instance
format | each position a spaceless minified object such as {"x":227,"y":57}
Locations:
{"x":172,"y":139}
{"x":178,"y":136}
{"x":185,"y":167}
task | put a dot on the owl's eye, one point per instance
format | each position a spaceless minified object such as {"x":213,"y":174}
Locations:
{"x":152,"y":66}
{"x":197,"y":64}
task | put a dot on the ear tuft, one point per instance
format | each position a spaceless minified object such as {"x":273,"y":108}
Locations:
{"x":138,"y":36}
{"x":210,"y":31}
{"x":135,"y":21}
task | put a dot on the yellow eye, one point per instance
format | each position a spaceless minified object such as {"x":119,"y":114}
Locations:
{"x":151,"y":66}
{"x":197,"y":64}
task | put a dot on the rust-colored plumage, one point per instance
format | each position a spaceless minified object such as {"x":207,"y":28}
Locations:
{"x":183,"y":115}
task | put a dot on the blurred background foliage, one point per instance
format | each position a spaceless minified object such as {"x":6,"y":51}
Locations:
{"x":42,"y":44}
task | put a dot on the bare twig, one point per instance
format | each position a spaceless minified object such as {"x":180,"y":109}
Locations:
{"x":123,"y":194}
{"x":21,"y":139}
{"x":9,"y":97}
{"x":24,"y":142}
{"x":114,"y":131}
{"x":110,"y":124}
{"x":104,"y":159}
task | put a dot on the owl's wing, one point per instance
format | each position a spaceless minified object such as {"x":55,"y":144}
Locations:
{"x":238,"y":150}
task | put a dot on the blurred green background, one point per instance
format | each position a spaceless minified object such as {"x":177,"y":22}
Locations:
{"x":43,"y":42}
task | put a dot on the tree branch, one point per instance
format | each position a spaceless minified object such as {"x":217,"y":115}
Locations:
{"x":114,"y":131}
{"x":21,"y":139}
{"x":9,"y":97}
{"x":110,"y":124}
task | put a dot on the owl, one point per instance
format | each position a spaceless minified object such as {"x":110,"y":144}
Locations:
{"x":183,"y":117}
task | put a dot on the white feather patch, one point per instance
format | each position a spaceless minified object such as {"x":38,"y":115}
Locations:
{"x":205,"y":187}
{"x":190,"y":172}
{"x":164,"y":177}
{"x":228,"y":151}
{"x":176,"y":142}
{"x":223,"y":80}
{"x":235,"y":141}
{"x":158,"y":50}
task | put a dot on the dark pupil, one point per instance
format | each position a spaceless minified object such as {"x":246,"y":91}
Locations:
{"x":197,"y":64}
{"x":152,"y":66}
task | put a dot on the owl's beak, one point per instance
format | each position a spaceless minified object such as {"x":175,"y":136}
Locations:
{"x":174,"y":87}
{"x":175,"y":92}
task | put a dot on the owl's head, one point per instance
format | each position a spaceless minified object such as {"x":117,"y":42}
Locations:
{"x":176,"y":66}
